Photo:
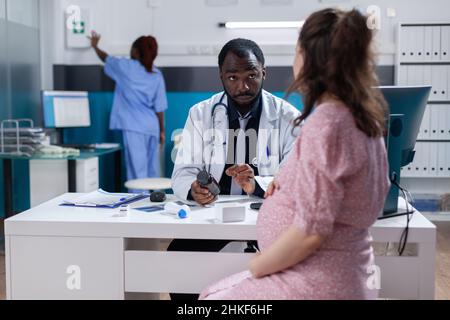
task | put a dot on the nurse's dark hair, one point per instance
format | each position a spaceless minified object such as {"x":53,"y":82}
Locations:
{"x":338,"y":59}
{"x":147,"y":47}
{"x":241,"y":48}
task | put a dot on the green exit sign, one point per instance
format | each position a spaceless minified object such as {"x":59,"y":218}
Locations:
{"x":78,"y":27}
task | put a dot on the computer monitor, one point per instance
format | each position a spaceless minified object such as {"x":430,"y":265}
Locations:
{"x":66,"y":109}
{"x":407,"y":107}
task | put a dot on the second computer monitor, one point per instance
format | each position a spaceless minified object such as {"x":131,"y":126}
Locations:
{"x":411,"y":103}
{"x":66,"y":109}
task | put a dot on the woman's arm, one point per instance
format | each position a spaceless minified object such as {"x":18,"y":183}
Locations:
{"x":95,"y":39}
{"x":291,"y":248}
{"x":162,"y":129}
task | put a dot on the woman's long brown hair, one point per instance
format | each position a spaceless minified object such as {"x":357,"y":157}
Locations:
{"x":338,"y":60}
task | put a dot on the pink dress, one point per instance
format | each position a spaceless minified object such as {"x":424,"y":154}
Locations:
{"x":334,"y":184}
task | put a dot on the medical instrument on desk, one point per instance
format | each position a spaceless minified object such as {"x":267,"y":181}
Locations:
{"x":256,"y":206}
{"x":181,"y":212}
{"x":158,"y":196}
{"x":207,"y":181}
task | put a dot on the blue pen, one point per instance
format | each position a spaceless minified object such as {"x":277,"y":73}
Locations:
{"x":268,"y":152}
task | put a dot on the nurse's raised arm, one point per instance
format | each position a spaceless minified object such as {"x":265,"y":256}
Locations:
{"x":95,"y":39}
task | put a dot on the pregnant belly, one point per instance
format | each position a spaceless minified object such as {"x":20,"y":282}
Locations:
{"x":275,"y":216}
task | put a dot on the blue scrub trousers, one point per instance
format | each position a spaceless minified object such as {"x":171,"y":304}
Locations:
{"x":141,"y":155}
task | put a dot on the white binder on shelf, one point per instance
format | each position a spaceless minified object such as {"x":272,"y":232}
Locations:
{"x":436,"y":53}
{"x":404,"y":44}
{"x":447,"y":159}
{"x":444,"y":160}
{"x":448,"y":82}
{"x":435,"y":81}
{"x":434,"y":121}
{"x":442,"y":121}
{"x":425,"y":170}
{"x":403,"y":75}
{"x":418,"y":75}
{"x":446,"y":122}
{"x":428,"y":43}
{"x":433,"y":159}
{"x":424,"y":133}
{"x":418,"y":162}
{"x":419,"y":41}
{"x":427,"y":75}
{"x":443,"y":83}
{"x":445,"y":43}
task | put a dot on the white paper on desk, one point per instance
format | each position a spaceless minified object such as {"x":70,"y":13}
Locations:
{"x":264,"y":182}
{"x":101,"y":198}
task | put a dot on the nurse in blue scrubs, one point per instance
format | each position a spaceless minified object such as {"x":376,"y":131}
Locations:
{"x":139,"y":104}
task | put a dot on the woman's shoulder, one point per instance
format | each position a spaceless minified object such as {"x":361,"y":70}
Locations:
{"x":333,"y":112}
{"x":328,"y":116}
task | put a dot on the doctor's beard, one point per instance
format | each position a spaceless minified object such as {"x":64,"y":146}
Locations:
{"x":251,"y":103}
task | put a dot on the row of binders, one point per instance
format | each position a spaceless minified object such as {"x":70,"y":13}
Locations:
{"x":424,"y":43}
{"x":438,"y":76}
{"x":432,"y":160}
{"x":435,"y":123}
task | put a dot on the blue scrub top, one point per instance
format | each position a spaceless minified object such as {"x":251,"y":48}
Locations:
{"x":138,"y":97}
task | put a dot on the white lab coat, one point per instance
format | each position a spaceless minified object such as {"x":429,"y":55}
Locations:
{"x":275,"y":141}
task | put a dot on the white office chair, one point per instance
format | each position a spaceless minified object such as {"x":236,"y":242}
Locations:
{"x":153,"y":184}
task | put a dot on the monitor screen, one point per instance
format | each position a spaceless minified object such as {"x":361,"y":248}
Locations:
{"x":407,"y":107}
{"x":66,"y":109}
{"x":411,"y":103}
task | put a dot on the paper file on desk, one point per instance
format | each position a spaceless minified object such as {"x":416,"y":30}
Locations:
{"x":103,"y":199}
{"x":264,"y":182}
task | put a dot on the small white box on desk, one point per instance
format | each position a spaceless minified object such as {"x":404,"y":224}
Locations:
{"x":229,"y":212}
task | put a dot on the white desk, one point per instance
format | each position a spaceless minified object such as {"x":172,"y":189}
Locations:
{"x":55,"y":252}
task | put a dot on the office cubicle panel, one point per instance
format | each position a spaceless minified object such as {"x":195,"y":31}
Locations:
{"x":19,"y":81}
{"x":4,"y":111}
{"x":24,"y":61}
{"x":3,"y":86}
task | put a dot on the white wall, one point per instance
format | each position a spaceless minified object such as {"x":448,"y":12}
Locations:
{"x":188,"y":33}
{"x":23,"y":12}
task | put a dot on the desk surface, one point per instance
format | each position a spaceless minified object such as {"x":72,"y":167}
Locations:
{"x":50,"y":219}
{"x":84,"y":154}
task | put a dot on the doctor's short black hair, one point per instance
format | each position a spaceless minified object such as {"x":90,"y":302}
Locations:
{"x":241,"y":48}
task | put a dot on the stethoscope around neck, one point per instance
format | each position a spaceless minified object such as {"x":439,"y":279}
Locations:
{"x":213,"y":118}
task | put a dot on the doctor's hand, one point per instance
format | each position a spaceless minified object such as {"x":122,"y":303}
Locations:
{"x":95,"y":39}
{"x":201,"y":195}
{"x":244,"y":177}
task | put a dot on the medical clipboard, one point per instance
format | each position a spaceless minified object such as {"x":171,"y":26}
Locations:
{"x":104,"y":200}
